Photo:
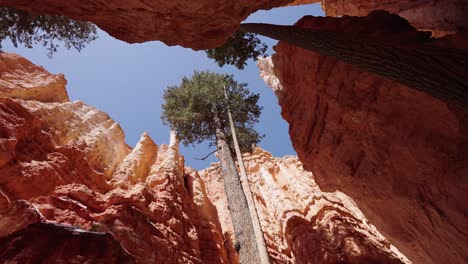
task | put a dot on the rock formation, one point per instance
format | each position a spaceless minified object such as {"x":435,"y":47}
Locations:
{"x":194,"y":24}
{"x":301,"y":223}
{"x":402,"y":155}
{"x":72,"y":190}
{"x":70,"y":184}
{"x":441,"y":16}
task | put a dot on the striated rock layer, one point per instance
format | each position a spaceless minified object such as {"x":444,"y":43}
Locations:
{"x":402,"y":155}
{"x":301,"y":223}
{"x":194,"y":24}
{"x":71,"y":189}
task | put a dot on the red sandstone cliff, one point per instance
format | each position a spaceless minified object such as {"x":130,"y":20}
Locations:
{"x":72,"y":190}
{"x":402,"y":155}
{"x":301,"y":223}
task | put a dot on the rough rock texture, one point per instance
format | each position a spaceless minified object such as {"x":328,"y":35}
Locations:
{"x":19,"y":78}
{"x":67,"y":163}
{"x":400,"y":154}
{"x":193,"y":24}
{"x":301,"y":223}
{"x":438,"y":15}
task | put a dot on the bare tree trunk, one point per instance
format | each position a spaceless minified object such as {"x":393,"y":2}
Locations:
{"x":440,"y":72}
{"x":245,"y":242}
{"x":262,"y":249}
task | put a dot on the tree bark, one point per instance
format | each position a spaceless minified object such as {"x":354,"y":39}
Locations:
{"x":262,"y":249}
{"x":440,"y":72}
{"x":244,"y":234}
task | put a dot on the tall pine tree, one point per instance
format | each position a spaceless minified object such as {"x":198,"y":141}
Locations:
{"x":198,"y":110}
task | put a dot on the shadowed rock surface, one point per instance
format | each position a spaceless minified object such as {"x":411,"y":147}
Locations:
{"x":54,"y":243}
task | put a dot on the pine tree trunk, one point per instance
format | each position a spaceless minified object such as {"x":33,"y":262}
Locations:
{"x":245,"y":242}
{"x":440,"y":72}
{"x":261,"y":245}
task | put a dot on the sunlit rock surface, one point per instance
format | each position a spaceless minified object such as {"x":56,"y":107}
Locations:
{"x":402,"y":155}
{"x":19,"y":78}
{"x":301,"y":223}
{"x":194,"y":24}
{"x":72,"y":190}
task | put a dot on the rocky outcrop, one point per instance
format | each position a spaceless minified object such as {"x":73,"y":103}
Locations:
{"x":301,"y":223}
{"x":438,"y":15}
{"x":19,"y":78}
{"x":70,"y":184}
{"x":192,"y":24}
{"x":399,"y":153}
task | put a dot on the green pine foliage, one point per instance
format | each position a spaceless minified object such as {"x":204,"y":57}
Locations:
{"x":189,"y":109}
{"x":28,"y":29}
{"x":238,"y":49}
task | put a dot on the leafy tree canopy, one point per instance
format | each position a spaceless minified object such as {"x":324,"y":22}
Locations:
{"x":190,"y":109}
{"x":26,"y":28}
{"x":238,"y":49}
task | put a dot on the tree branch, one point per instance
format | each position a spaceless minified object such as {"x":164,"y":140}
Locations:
{"x":204,"y":158}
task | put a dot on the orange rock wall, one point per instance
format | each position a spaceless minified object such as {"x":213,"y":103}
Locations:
{"x":399,"y":153}
{"x":69,"y":183}
{"x":301,"y":223}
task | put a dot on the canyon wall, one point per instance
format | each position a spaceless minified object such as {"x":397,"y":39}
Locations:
{"x":72,"y":190}
{"x":301,"y":223}
{"x":402,"y":155}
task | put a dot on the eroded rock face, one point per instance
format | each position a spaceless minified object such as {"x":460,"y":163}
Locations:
{"x":194,"y":24}
{"x":19,"y":78}
{"x":402,"y":155}
{"x":301,"y":223}
{"x":67,"y":163}
{"x":438,"y":15}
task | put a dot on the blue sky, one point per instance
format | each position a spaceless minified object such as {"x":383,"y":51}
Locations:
{"x":127,"y":82}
